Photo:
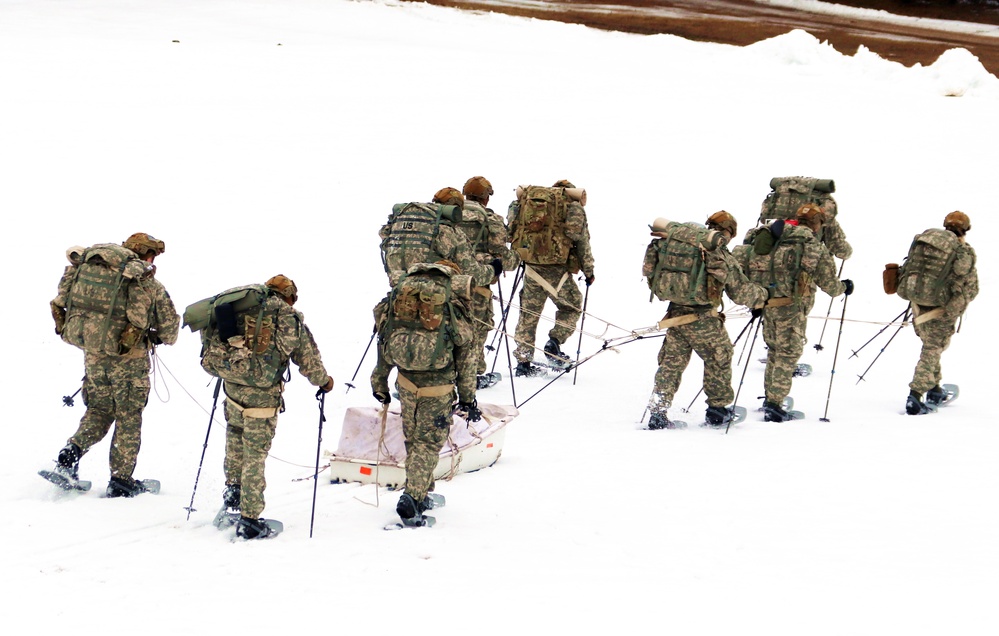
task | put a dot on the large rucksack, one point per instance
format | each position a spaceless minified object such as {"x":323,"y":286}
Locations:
{"x":675,"y":263}
{"x":787,"y":194}
{"x":925,"y":277}
{"x":537,"y":232}
{"x":474,"y":225}
{"x":408,"y":236}
{"x":775,"y":262}
{"x":424,"y":322}
{"x":239,"y":335}
{"x":97,"y":302}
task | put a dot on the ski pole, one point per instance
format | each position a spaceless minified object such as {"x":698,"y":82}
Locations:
{"x":204,"y":447}
{"x":579,"y":347}
{"x":517,"y":279}
{"x":321,"y":396}
{"x":756,"y":332}
{"x":904,"y":316}
{"x":861,"y":376}
{"x":818,"y":345}
{"x":365,"y":355}
{"x":67,"y":400}
{"x":832,"y":374}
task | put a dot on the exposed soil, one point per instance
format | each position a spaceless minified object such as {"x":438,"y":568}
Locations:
{"x":742,"y":22}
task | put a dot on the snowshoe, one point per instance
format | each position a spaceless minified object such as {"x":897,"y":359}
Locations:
{"x":773,"y":412}
{"x":487,"y":380}
{"x":718,"y":416}
{"x":915,"y":406}
{"x":802,"y":370}
{"x":529,"y":370}
{"x":258,"y":528}
{"x":410,"y":514}
{"x":556,"y":358}
{"x":432,"y":501}
{"x":940,"y":395}
{"x":119,"y":487}
{"x":65,"y":479}
{"x":659,"y":421}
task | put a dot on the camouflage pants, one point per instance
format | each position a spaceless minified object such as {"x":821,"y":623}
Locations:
{"x":247,"y":441}
{"x":935,"y":335}
{"x":784,"y":333}
{"x":115,"y":390}
{"x":426,"y":423}
{"x":481,"y":308}
{"x":533,"y":296}
{"x":709,"y":339}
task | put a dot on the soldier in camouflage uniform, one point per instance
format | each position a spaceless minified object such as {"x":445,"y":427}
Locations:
{"x":487,"y":235}
{"x":117,"y":355}
{"x":251,"y":413}
{"x":447,"y":244}
{"x":427,"y":398}
{"x":794,"y":264}
{"x":701,"y":329}
{"x":553,"y":281}
{"x":935,"y":333}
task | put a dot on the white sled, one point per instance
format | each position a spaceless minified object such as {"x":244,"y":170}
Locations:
{"x":360,"y":458}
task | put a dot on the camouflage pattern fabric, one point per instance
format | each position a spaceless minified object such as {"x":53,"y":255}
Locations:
{"x":709,"y":339}
{"x":576,"y":228}
{"x":425,"y":425}
{"x":533,"y":296}
{"x":481,"y":309}
{"x":834,"y":238}
{"x":784,"y":333}
{"x":247,"y":442}
{"x":248,"y":439}
{"x":936,"y":334}
{"x":115,"y":391}
{"x":450,"y":245}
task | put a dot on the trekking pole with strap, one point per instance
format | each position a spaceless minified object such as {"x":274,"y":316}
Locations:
{"x":204,"y":447}
{"x":832,"y":374}
{"x":506,"y":311}
{"x":756,"y":332}
{"x":350,"y":386}
{"x":904,"y":323}
{"x":903,"y":316}
{"x":579,"y":347}
{"x":321,"y":396}
{"x":818,"y":345}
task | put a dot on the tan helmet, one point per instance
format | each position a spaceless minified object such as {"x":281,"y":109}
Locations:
{"x":957,"y":222}
{"x":811,"y":215}
{"x":284,"y":286}
{"x":142,"y":244}
{"x":478,"y":189}
{"x":724,"y":222}
{"x":563,"y":183}
{"x":449,"y":196}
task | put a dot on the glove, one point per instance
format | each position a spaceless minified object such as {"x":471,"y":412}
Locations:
{"x":849,"y":286}
{"x":326,"y":388}
{"x":497,"y":267}
{"x":590,"y":279}
{"x":469,"y":410}
{"x":154,"y":338}
{"x":383,"y":397}
{"x":756,"y":312}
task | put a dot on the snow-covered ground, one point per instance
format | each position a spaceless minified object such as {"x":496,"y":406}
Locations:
{"x":261,"y":136}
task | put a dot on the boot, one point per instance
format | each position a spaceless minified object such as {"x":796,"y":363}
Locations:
{"x":554,"y":353}
{"x":718,"y":415}
{"x":68,"y":462}
{"x":659,"y":421}
{"x":123,"y":487}
{"x":252,"y":529}
{"x":772,"y":412}
{"x":915,"y":406}
{"x":231,"y":497}
{"x":527,"y":370}
{"x":936,"y":396}
{"x":409,"y":511}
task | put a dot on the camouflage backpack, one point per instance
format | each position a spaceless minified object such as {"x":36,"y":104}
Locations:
{"x":537,"y":231}
{"x":775,"y":261}
{"x":787,"y":194}
{"x":408,"y":236}
{"x":423,"y":321}
{"x":238,"y":335}
{"x":475,"y":226}
{"x":674,"y":263}
{"x":97,"y":303}
{"x":924,"y":278}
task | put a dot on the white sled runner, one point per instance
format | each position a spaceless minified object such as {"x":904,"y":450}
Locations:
{"x":360,"y":458}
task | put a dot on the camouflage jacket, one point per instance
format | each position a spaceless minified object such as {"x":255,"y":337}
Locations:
{"x":576,"y":228}
{"x":798,"y":262}
{"x":487,"y":235}
{"x":462,"y":373}
{"x":724,"y":273}
{"x":834,"y":238}
{"x":294,"y":341}
{"x":449,"y":245}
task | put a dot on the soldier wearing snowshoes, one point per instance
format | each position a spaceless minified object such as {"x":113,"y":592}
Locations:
{"x":426,"y":335}
{"x":939,"y":279}
{"x":487,"y":235}
{"x":690,"y":266}
{"x":274,"y":334}
{"x":549,"y":231}
{"x":111,"y":306}
{"x":789,"y":261}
